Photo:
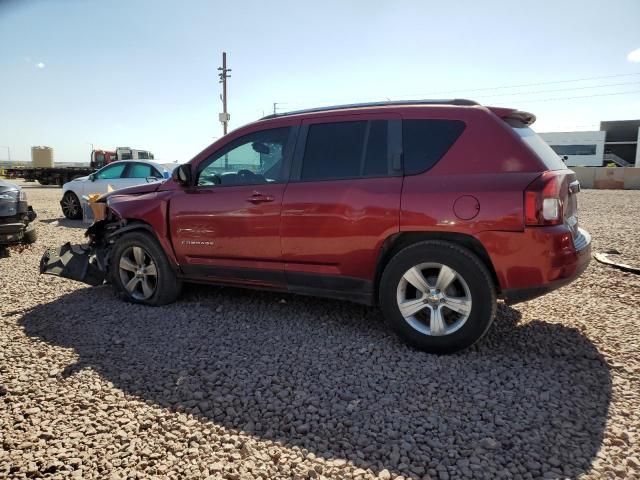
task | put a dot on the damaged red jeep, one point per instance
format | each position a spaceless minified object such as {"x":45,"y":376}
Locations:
{"x":430,"y":209}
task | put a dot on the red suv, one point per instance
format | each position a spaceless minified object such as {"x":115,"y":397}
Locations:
{"x":430,"y":209}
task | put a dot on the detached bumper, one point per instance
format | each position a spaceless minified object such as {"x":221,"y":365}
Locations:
{"x":76,"y":262}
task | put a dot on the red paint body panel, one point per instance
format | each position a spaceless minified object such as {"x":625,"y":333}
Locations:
{"x":338,"y":227}
{"x":534,"y":257}
{"x":150,"y":208}
{"x":242,"y":235}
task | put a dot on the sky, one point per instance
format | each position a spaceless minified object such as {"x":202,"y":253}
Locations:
{"x":143,"y":74}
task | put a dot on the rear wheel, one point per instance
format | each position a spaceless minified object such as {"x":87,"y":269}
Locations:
{"x":438,"y":296}
{"x":71,"y":206}
{"x":140,"y":271}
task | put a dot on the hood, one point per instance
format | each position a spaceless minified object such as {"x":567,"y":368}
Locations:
{"x":6,"y":186}
{"x":135,"y":190}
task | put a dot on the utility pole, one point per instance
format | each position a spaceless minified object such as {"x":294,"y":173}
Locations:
{"x":8,"y":152}
{"x":274,"y":107}
{"x":224,"y":116}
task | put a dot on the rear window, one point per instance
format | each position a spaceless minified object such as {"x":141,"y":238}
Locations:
{"x":544,"y":152}
{"x":424,"y":142}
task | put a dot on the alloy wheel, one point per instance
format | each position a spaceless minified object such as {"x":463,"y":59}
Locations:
{"x":434,"y":299}
{"x":70,"y":206}
{"x":138,"y":273}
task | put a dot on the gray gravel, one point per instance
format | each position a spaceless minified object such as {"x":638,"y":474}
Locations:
{"x":229,"y":383}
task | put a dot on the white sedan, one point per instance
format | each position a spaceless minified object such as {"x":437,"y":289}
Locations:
{"x":121,"y":174}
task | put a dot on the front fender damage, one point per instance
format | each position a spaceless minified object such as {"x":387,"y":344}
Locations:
{"x":87,"y":263}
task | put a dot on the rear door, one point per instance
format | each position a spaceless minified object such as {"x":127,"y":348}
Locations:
{"x":342,"y":201}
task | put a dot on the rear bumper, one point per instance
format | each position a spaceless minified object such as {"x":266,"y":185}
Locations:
{"x":537,"y":261}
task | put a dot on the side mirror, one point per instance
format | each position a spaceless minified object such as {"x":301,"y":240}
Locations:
{"x":92,"y":177}
{"x":182,"y":174}
{"x":151,"y":179}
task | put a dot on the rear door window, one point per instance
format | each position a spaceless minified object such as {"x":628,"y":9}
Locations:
{"x":142,"y":170}
{"x":344,"y":150}
{"x":424,"y":142}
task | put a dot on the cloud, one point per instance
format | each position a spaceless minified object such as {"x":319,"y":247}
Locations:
{"x":634,"y":56}
{"x":40,"y":65}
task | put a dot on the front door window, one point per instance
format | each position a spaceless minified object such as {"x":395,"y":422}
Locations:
{"x":254,"y":159}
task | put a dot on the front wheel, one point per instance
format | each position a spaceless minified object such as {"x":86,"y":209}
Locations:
{"x":71,"y":207}
{"x":438,"y":296}
{"x":140,"y":271}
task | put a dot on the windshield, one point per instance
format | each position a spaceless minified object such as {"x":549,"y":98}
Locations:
{"x":550,"y":158}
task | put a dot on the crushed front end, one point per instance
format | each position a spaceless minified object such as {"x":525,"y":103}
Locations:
{"x":89,"y":262}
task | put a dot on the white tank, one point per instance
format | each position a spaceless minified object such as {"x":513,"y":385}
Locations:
{"x":42,"y":157}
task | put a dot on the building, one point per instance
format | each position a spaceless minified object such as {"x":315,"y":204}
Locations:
{"x":616,"y":142}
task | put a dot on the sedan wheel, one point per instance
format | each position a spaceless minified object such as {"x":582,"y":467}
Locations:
{"x":138,"y":273}
{"x":71,"y":206}
{"x":434,"y":299}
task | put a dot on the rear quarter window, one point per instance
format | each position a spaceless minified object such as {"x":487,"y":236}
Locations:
{"x":542,"y":150}
{"x":424,"y":142}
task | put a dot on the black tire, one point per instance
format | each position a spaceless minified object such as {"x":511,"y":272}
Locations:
{"x":476,"y":277}
{"x":71,"y":207}
{"x":166,"y":286}
{"x":30,"y":236}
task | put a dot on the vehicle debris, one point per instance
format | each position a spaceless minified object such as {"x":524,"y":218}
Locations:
{"x":604,"y":258}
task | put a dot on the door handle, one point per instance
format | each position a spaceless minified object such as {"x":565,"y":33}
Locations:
{"x":260,"y":198}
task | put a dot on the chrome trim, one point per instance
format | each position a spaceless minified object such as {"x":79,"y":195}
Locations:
{"x":574,"y":187}
{"x":581,"y":240}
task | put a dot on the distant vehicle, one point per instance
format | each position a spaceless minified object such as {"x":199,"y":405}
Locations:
{"x":100,"y":158}
{"x":430,"y":209}
{"x":16,"y":215}
{"x":117,"y":175}
{"x":61,"y":175}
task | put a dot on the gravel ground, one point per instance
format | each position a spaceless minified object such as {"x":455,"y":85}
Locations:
{"x":231,"y":383}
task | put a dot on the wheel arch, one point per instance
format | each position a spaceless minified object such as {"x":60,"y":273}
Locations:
{"x":398,"y":241}
{"x":134,"y":225}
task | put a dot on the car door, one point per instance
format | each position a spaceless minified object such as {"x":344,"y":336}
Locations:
{"x":341,"y":203}
{"x":112,"y":174}
{"x":227,"y":226}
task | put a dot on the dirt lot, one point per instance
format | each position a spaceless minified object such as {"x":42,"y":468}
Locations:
{"x":230,"y":383}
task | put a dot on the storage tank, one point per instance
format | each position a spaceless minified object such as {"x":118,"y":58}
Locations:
{"x":42,"y":157}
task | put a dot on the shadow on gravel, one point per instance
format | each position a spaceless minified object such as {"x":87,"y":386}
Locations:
{"x":65,"y":222}
{"x":329,"y":377}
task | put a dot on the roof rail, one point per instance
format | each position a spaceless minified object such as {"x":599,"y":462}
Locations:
{"x":453,"y":101}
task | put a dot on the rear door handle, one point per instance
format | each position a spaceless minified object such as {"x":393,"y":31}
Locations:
{"x":260,"y":198}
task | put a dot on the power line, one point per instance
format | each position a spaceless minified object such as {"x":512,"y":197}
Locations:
{"x":558,"y":90}
{"x":529,"y":84}
{"x":582,"y":96}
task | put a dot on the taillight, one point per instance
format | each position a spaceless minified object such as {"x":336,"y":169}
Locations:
{"x":543,"y":200}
